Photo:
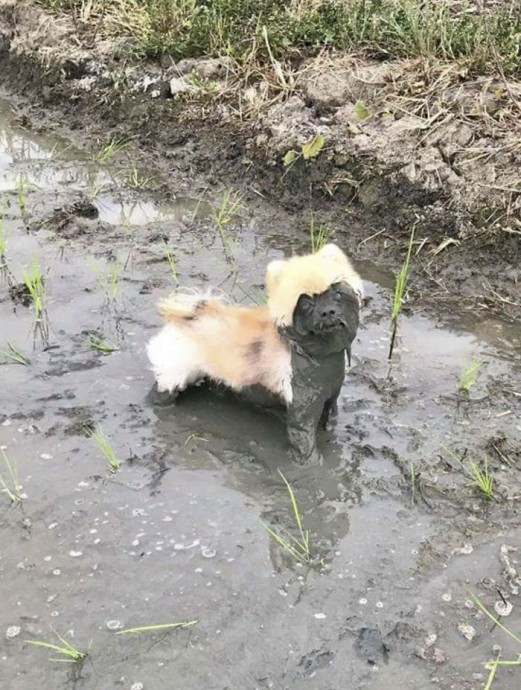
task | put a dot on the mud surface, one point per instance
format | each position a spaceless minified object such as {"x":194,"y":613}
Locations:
{"x":175,"y":534}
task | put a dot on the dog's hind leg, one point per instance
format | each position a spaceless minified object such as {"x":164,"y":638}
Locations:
{"x":175,"y":361}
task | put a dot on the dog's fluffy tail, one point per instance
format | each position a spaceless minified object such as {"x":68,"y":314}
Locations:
{"x":181,"y":306}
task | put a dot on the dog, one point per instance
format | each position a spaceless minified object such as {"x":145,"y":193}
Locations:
{"x":294,"y":347}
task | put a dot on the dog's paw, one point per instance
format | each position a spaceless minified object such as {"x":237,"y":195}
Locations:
{"x":313,"y":458}
{"x":162,"y":398}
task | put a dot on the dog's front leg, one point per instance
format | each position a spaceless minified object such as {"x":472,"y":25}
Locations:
{"x":302,"y":422}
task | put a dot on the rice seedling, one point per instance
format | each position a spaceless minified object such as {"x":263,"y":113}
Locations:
{"x":399,"y":292}
{"x":318,"y":235}
{"x":228,"y":209}
{"x":13,"y":355}
{"x":34,"y":282}
{"x":21,"y":191}
{"x":109,"y":282}
{"x":297,"y":547}
{"x":103,"y":444}
{"x":67,"y":651}
{"x":11,"y":484}
{"x":468,"y":377}
{"x":494,"y":664}
{"x":114,"y":146}
{"x":413,"y":483}
{"x":483,"y":479}
{"x":171,"y":260}
{"x":135,"y":179}
{"x":100,"y":345}
{"x":156,"y":628}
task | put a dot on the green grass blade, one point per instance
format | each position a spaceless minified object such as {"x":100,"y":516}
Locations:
{"x":487,"y":613}
{"x":152,"y":628}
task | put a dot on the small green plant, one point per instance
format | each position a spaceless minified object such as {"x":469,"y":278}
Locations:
{"x":297,"y":547}
{"x":11,"y":484}
{"x":309,"y":149}
{"x":67,"y":651}
{"x":114,"y":146}
{"x":226,"y":213}
{"x":136,"y":179}
{"x":155,"y":628}
{"x":35,"y":284}
{"x":468,"y":376}
{"x":318,"y":235}
{"x":171,"y":260}
{"x":104,"y":445}
{"x":399,"y":292}
{"x":100,"y":345}
{"x":195,"y":437}
{"x":13,"y":354}
{"x":483,"y":479}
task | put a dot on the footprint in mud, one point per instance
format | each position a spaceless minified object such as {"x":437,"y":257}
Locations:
{"x":370,"y":646}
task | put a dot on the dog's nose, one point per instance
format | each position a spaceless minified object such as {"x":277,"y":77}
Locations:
{"x":328,"y":312}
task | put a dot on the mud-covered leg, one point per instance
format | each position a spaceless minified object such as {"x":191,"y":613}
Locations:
{"x":302,"y":422}
{"x":330,"y":408}
{"x":162,"y":398}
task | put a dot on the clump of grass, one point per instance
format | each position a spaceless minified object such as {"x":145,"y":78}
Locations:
{"x":100,"y":345}
{"x":136,"y":179}
{"x":156,"y":628}
{"x":272,"y":30}
{"x":400,"y":287}
{"x":13,"y":354}
{"x":482,"y":479}
{"x":11,"y":484}
{"x":318,"y":235}
{"x":67,"y":651}
{"x":114,"y":146}
{"x":468,"y":377}
{"x":171,"y":260}
{"x":297,"y":547}
{"x":104,"y":445}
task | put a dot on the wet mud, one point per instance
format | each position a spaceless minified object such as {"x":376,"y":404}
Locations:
{"x":400,"y":535}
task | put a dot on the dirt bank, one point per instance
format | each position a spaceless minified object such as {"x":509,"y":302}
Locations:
{"x":406,"y":143}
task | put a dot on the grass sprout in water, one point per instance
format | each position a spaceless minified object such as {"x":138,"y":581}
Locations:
{"x":100,"y":345}
{"x":114,"y":146}
{"x":399,"y":292}
{"x":156,"y":628}
{"x":11,"y":484}
{"x":104,"y":445}
{"x":468,"y":376}
{"x":35,"y":284}
{"x":482,"y":479}
{"x":67,"y":651}
{"x":171,"y":260}
{"x":226,"y":213}
{"x":297,"y":547}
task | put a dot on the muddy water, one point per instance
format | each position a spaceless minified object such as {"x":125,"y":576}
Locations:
{"x":398,"y":533}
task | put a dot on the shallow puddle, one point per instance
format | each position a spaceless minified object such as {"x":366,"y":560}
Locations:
{"x":398,"y":534}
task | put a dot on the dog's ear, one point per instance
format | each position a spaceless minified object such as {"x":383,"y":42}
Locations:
{"x":273,"y":274}
{"x":331,"y":251}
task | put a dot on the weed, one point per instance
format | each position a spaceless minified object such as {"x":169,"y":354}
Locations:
{"x":299,"y":547}
{"x":318,"y":235}
{"x":136,"y":179}
{"x":171,"y":260}
{"x":483,"y":479}
{"x":195,"y":437}
{"x":114,"y":146}
{"x":399,"y":292}
{"x":69,"y":653}
{"x":155,"y":628}
{"x":106,"y":448}
{"x":468,"y":376}
{"x":309,"y":149}
{"x":12,"y":354}
{"x":11,"y":485}
{"x":96,"y":343}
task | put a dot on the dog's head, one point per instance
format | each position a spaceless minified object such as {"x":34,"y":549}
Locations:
{"x":315,"y":299}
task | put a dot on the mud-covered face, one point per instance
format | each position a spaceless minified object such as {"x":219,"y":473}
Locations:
{"x":328,"y":321}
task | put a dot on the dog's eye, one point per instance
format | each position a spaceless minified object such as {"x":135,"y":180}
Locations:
{"x":338,"y":294}
{"x":306,"y":303}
